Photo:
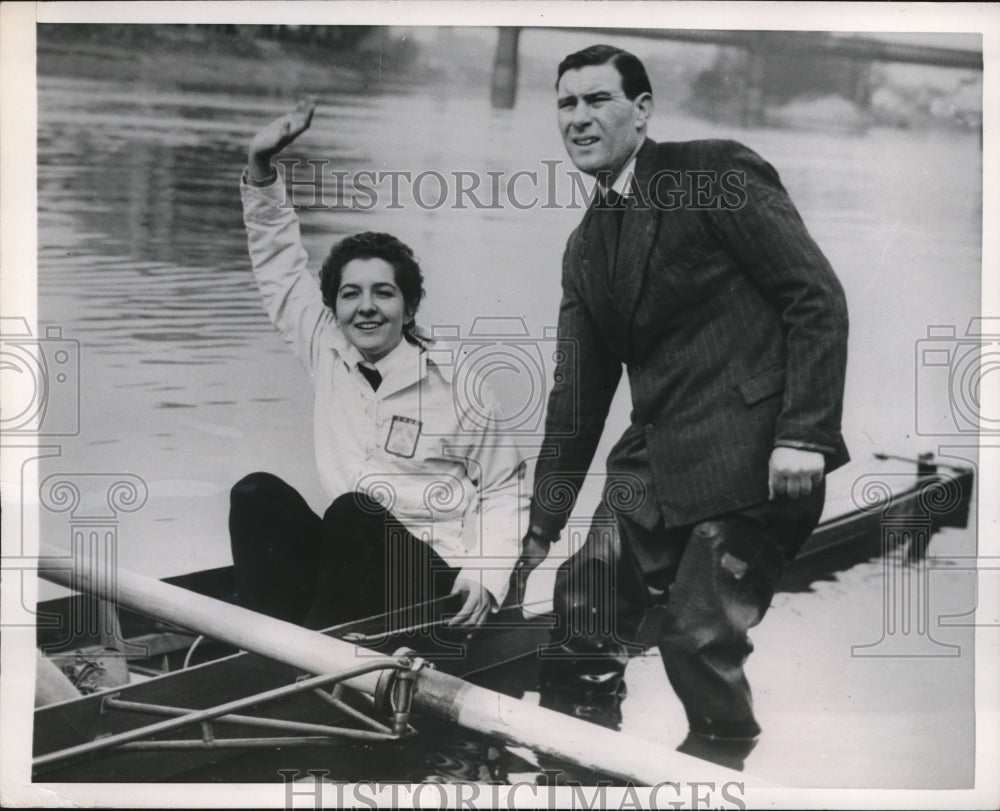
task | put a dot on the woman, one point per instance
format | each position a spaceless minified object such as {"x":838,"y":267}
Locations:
{"x":420,"y":506}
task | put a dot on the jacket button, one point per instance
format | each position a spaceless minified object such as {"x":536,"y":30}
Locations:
{"x":649,"y":428}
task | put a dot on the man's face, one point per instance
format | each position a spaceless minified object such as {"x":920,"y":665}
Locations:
{"x":600,"y":126}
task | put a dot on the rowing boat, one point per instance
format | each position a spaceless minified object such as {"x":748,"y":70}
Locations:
{"x":254,"y":703}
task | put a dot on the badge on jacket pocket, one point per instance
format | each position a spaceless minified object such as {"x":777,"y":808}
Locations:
{"x":403,"y":436}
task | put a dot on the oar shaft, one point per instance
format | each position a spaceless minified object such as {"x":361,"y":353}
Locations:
{"x":476,"y":708}
{"x":930,"y":460}
{"x":247,"y":630}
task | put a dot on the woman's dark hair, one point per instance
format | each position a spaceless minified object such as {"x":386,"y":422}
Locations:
{"x":372,"y":245}
{"x":634,"y":78}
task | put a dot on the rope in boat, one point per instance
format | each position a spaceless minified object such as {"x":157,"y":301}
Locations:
{"x":187,"y":658}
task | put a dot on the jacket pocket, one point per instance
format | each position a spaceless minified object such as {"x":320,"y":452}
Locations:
{"x":764,"y":384}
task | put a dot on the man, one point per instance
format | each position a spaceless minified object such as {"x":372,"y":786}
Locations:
{"x":694,"y":271}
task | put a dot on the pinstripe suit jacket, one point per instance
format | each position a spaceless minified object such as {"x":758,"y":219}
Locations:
{"x":730,"y":322}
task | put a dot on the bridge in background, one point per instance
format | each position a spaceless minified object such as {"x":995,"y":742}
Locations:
{"x":757,"y":47}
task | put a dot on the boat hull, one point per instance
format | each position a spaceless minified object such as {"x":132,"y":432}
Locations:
{"x":503,"y":656}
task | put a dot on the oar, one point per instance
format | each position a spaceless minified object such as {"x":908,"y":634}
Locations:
{"x":928,"y":460}
{"x":485,"y":711}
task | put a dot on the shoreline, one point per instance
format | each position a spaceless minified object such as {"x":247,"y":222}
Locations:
{"x":163,"y":59}
{"x":259,"y":60}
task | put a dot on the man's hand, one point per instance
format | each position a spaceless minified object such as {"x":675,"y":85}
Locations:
{"x":275,"y":136}
{"x":794,"y":472}
{"x":533,"y":551}
{"x":476,"y":607}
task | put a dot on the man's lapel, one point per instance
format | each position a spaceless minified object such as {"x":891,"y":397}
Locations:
{"x":595,"y":259}
{"x":603,"y":256}
{"x":637,"y":236}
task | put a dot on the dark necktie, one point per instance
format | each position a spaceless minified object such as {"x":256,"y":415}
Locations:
{"x":373,"y":376}
{"x":610,"y":216}
{"x":617,"y":203}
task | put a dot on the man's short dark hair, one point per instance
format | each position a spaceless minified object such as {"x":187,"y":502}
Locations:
{"x":373,"y":245}
{"x":633,"y":73}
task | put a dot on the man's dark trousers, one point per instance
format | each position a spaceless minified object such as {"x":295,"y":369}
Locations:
{"x":712,"y":582}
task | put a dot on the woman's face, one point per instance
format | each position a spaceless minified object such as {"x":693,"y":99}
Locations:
{"x":370,"y":307}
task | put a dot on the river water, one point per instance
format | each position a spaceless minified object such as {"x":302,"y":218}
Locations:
{"x":185,"y":385}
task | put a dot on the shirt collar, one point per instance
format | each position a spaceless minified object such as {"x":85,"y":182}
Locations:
{"x":623,"y":180}
{"x":404,"y":356}
{"x":348,"y":353}
{"x":406,"y":364}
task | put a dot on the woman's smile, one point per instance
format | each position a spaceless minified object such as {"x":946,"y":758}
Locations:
{"x":370,"y":307}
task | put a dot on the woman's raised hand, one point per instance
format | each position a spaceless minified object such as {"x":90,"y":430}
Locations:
{"x":275,"y":136}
